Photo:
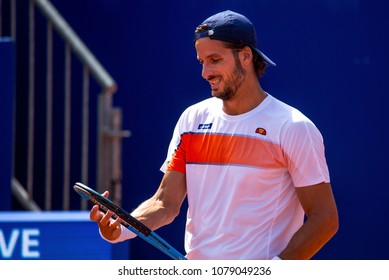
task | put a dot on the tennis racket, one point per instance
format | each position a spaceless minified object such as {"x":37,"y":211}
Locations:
{"x":127,"y":220}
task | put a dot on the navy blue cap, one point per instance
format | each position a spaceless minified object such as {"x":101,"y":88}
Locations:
{"x":232,"y":27}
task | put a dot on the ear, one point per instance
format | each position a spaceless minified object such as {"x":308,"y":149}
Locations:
{"x":246,"y":55}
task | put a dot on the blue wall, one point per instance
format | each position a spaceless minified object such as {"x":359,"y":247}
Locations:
{"x":7,"y":66}
{"x":331,"y":63}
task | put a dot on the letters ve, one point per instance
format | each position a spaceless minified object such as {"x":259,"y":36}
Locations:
{"x":27,"y":241}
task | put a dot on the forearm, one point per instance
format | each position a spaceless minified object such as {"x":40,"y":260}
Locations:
{"x":309,"y":239}
{"x":162,"y":208}
{"x":151,"y":213}
{"x":154,"y":214}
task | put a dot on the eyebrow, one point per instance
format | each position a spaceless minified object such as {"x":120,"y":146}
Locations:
{"x":210,"y":56}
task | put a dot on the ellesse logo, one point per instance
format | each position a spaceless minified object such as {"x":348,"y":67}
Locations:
{"x":261,"y":131}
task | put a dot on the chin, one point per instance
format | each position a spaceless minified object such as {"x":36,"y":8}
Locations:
{"x":222,"y":96}
{"x":216,"y":94}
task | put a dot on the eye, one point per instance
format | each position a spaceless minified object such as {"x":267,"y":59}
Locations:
{"x":215,"y":60}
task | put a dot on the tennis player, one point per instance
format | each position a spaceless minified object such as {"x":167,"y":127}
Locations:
{"x":250,"y":165}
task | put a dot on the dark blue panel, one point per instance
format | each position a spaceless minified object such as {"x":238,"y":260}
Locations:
{"x":7,"y":74}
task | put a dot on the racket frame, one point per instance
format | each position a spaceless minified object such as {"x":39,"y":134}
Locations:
{"x":127,"y":220}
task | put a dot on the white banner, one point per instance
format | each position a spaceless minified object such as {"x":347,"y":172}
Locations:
{"x":192,"y":270}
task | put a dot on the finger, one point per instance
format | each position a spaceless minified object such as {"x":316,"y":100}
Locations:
{"x":116,"y":223}
{"x":106,"y":219}
{"x":95,"y":214}
{"x":112,"y":231}
{"x":106,"y":194}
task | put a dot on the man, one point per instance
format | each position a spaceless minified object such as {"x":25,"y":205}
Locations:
{"x":250,"y":165}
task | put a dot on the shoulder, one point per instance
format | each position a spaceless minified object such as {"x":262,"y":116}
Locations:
{"x":286,"y":111}
{"x":203,"y":107}
{"x":292,"y":123}
{"x":205,"y":104}
{"x":196,"y":113}
{"x":288,"y":114}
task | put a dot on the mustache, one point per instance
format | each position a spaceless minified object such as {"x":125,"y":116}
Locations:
{"x":212,"y":77}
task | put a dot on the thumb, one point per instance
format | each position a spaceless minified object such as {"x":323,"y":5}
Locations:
{"x":106,"y":194}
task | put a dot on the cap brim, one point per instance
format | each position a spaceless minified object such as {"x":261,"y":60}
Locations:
{"x":267,"y":60}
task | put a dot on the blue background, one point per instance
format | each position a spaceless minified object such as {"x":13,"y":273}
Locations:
{"x":7,"y":52}
{"x":331,"y":60}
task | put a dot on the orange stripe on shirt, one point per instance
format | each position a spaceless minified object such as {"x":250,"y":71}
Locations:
{"x":224,"y":149}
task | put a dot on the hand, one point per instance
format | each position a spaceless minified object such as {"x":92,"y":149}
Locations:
{"x":109,"y":228}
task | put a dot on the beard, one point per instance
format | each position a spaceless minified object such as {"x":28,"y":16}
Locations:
{"x":232,"y":84}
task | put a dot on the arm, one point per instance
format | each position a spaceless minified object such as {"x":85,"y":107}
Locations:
{"x":155,"y":212}
{"x":165,"y":204}
{"x":321,"y":224}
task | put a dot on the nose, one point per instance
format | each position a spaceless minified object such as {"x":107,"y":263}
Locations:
{"x":207,"y":71}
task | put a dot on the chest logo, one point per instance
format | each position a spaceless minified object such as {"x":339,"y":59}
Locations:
{"x":205,"y":126}
{"x":261,"y":131}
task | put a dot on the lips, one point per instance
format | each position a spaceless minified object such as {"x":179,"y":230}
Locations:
{"x":214,"y":81}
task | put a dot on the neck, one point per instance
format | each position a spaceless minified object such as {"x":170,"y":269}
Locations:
{"x":245,"y":100}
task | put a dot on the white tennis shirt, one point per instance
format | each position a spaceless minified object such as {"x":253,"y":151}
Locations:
{"x":241,"y":172}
